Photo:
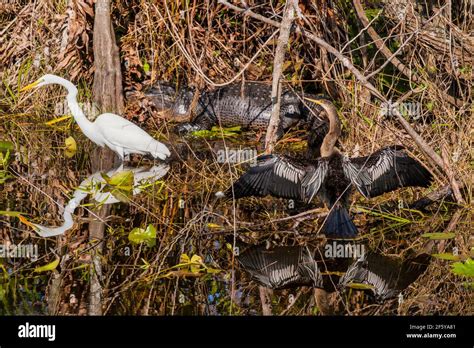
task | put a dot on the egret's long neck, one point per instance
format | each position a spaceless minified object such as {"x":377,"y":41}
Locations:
{"x":329,"y":141}
{"x":76,"y":111}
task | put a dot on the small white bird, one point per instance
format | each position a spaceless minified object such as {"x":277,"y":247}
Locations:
{"x":118,"y":134}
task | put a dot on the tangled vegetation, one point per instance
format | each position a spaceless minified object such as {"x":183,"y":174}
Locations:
{"x":166,"y":250}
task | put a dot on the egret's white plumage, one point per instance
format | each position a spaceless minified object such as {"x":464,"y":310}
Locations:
{"x":120,"y":135}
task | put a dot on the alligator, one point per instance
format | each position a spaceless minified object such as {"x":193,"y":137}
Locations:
{"x":248,"y":106}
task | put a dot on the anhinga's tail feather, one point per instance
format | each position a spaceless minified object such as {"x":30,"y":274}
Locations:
{"x":339,"y":224}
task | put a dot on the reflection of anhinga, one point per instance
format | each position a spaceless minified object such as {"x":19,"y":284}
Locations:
{"x":281,"y":267}
{"x":94,"y":185}
{"x":385,"y":276}
{"x":331,"y":176}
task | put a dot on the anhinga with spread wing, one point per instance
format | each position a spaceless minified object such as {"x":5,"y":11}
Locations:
{"x":331,"y":176}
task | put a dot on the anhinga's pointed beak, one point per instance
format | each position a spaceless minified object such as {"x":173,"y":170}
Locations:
{"x":30,"y":86}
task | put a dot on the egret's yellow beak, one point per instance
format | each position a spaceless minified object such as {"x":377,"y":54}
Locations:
{"x":30,"y":86}
{"x":25,"y":221}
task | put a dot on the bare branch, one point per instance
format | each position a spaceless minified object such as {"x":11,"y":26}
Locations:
{"x":288,"y":15}
{"x":391,"y":57}
{"x":421,"y":143}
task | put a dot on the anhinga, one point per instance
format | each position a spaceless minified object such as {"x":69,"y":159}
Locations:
{"x":331,"y":176}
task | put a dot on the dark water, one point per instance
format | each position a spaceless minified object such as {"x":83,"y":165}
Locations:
{"x":156,"y":279}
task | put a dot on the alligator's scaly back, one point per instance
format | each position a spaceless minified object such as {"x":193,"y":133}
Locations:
{"x":248,"y":105}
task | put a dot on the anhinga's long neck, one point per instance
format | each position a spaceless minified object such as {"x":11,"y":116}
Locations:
{"x":329,"y":141}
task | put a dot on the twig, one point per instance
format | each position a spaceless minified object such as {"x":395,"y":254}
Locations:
{"x":344,"y":60}
{"x":179,"y":41}
{"x":420,"y":142}
{"x":265,"y":299}
{"x":391,"y":57}
{"x":288,"y":15}
{"x":435,"y":196}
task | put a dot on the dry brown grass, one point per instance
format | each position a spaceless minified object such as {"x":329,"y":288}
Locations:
{"x":204,"y":44}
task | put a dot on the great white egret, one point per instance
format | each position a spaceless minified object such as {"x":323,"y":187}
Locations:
{"x":120,"y":135}
{"x":94,"y":185}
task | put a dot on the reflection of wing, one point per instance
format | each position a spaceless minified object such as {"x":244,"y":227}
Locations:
{"x":386,"y":276}
{"x":281,"y":267}
{"x":127,"y":135}
{"x":280,"y":177}
{"x":140,"y":177}
{"x":384,"y":171}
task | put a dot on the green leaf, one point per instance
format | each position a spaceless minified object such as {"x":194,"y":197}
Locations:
{"x":146,"y":67}
{"x":6,"y":146}
{"x":122,"y":179}
{"x":11,"y":213}
{"x":213,"y":270}
{"x":120,"y":185}
{"x":465,"y":269}
{"x":217,"y":132}
{"x":213,"y":225}
{"x":140,"y":235}
{"x":184,"y":258}
{"x":360,"y":286}
{"x":196,"y":263}
{"x":235,"y":129}
{"x":49,"y":267}
{"x":446,"y":256}
{"x":439,"y":235}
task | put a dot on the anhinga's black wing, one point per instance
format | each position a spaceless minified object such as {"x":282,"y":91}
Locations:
{"x":385,"y":170}
{"x":281,"y":267}
{"x":279,"y":177}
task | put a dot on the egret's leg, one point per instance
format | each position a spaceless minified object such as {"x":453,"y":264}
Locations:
{"x":120,"y":154}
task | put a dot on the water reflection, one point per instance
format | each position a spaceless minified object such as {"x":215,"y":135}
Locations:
{"x":384,"y":276}
{"x":282,"y":267}
{"x":95,"y":185}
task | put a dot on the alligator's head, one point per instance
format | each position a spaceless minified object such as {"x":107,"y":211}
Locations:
{"x":165,"y":96}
